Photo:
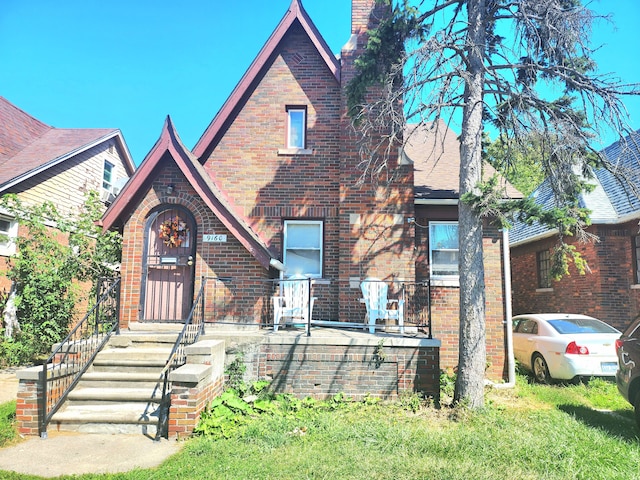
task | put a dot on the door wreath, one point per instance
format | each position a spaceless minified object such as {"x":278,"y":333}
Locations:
{"x":173,"y":231}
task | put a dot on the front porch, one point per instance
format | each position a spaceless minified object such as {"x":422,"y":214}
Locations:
{"x":241,"y":303}
{"x":311,"y":359}
{"x":328,"y":362}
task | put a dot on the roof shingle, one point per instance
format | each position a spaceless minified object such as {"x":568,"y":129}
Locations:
{"x":28,"y":145}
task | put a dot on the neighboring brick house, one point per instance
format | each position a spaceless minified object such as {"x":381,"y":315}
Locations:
{"x":60,"y":165}
{"x":610,"y":290}
{"x":272,"y":182}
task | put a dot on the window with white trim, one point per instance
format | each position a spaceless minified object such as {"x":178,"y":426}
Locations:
{"x":8,"y":234}
{"x":296,"y":127}
{"x":302,"y":247}
{"x":443,"y":250}
{"x":107,"y":176}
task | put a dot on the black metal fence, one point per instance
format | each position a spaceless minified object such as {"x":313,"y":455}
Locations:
{"x":323,"y":303}
{"x":71,"y":358}
{"x":417,"y":296}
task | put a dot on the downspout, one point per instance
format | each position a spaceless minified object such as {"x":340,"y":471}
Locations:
{"x":277,"y":264}
{"x":511,"y":364}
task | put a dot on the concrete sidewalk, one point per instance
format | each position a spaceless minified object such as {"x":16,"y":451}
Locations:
{"x":79,"y":453}
{"x":70,"y":453}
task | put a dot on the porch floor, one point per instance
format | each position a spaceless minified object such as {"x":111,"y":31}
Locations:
{"x":355,"y":334}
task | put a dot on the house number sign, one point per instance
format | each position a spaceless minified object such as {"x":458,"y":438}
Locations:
{"x":212,"y":238}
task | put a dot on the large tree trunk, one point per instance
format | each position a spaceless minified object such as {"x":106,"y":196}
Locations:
{"x":472,"y":350}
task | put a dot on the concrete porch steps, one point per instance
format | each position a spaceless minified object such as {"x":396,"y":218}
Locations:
{"x":122,"y":390}
{"x":102,"y":396}
{"x":125,"y":417}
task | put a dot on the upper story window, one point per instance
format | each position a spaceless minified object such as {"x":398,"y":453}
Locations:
{"x":296,"y":127}
{"x":443,"y":250}
{"x":107,"y":176}
{"x":8,"y":233}
{"x":543,"y":262}
{"x":302,"y":247}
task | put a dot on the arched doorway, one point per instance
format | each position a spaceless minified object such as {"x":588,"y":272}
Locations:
{"x":168,"y":265}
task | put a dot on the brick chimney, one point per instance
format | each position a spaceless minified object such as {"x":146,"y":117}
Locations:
{"x":375,"y":239}
{"x":365,"y":15}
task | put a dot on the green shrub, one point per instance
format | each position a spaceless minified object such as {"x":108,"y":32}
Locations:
{"x":8,"y":431}
{"x":45,"y":272}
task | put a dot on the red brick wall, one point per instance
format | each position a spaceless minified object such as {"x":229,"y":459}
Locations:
{"x":266,"y":186}
{"x":366,"y":229}
{"x":376,"y":239}
{"x":27,"y":408}
{"x":608,"y":291}
{"x":228,"y":259}
{"x":445,"y":300}
{"x":187,"y":404}
{"x":352,"y":369}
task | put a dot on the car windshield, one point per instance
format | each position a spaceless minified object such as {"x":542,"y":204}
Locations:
{"x":580,"y":325}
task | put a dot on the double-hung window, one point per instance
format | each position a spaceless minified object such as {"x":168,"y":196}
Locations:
{"x":8,"y":233}
{"x":107,"y":176}
{"x":302,"y":250}
{"x":296,"y":127}
{"x":443,"y":250}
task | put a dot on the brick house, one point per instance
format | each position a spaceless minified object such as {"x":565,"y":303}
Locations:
{"x":60,"y":165}
{"x":271,"y":186}
{"x":610,"y":290}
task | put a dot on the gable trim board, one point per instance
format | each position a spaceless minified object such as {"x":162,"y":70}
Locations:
{"x":170,"y":142}
{"x":296,"y":13}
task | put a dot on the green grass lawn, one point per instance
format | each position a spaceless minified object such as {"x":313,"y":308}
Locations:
{"x":583,"y":431}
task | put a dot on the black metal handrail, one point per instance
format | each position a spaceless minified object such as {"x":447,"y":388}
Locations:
{"x":71,"y":358}
{"x":417,"y":298}
{"x":193,"y":328}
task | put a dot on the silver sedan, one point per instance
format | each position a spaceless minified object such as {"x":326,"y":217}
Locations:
{"x":562,"y":346}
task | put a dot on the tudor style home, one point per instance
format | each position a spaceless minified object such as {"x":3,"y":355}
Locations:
{"x":212,"y":235}
{"x":60,"y":165}
{"x":610,"y":289}
{"x":270,"y":190}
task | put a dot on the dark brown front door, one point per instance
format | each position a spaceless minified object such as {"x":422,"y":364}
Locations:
{"x":168,"y":268}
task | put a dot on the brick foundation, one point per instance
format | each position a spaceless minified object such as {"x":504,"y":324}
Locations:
{"x":320,"y":368}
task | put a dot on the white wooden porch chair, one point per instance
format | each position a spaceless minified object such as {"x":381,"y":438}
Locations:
{"x":293,"y":301}
{"x":375,"y":297}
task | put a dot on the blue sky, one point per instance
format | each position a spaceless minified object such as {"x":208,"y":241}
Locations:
{"x":128,"y":64}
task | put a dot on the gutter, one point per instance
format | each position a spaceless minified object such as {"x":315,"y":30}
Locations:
{"x":436,"y":201}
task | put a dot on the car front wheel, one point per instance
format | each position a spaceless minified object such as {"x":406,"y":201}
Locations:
{"x":540,"y":369}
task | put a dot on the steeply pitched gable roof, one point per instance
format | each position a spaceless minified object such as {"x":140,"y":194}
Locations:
{"x":29,"y":146}
{"x":434,"y":150}
{"x":612,"y":201}
{"x":296,"y":14}
{"x":169,"y":142}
